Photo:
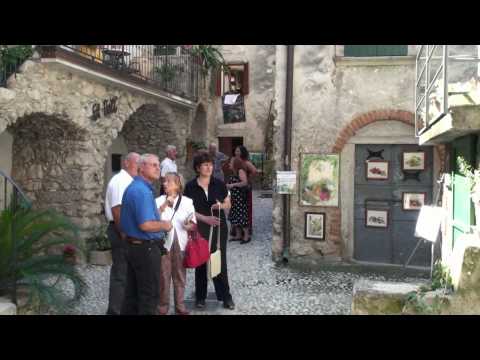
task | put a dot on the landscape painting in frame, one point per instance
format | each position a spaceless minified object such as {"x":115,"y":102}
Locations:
{"x":376,"y":218}
{"x":315,"y":226}
{"x":319,"y":179}
{"x":413,"y":160}
{"x":413,"y":201}
{"x":377,"y":170}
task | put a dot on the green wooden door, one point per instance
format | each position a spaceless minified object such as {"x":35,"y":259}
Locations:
{"x":375,"y":50}
{"x":463,"y":213}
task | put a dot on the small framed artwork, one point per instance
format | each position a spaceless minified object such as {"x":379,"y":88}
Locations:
{"x":413,"y":200}
{"x":376,"y":218}
{"x":315,"y":226}
{"x":413,"y":160}
{"x":377,"y":169}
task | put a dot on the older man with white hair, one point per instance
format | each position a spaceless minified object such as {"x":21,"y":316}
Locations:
{"x":219,"y":159}
{"x":168,"y":164}
{"x":145,"y":233}
{"x":113,"y":202}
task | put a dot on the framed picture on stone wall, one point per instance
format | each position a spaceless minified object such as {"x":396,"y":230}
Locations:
{"x":319,"y":179}
{"x":315,"y":226}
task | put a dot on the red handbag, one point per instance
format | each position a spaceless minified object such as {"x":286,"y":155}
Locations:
{"x":196,"y":252}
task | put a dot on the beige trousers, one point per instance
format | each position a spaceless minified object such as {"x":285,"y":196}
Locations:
{"x":172,"y":269}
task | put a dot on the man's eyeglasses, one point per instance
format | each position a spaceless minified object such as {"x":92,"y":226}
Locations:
{"x":156,"y":165}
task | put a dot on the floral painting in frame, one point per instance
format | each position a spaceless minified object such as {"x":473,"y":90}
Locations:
{"x":319,"y":179}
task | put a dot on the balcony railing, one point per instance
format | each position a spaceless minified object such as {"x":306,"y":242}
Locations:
{"x":446,"y":76}
{"x":171,"y":68}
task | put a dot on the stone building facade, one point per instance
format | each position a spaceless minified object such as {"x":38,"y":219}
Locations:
{"x":339,"y":102}
{"x":59,"y":154}
{"x":258,"y":64}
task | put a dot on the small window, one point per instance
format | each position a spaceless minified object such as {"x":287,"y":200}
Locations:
{"x":375,"y":50}
{"x":233,"y":81}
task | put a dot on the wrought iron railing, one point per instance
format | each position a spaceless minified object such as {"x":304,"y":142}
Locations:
{"x":11,"y":196}
{"x":446,"y":76}
{"x":171,"y":68}
{"x":6,"y":70}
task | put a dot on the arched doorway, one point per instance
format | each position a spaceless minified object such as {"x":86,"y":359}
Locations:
{"x":55,"y":164}
{"x":149,"y":130}
{"x":391,"y":241}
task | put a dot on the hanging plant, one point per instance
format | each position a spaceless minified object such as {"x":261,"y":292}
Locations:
{"x":209,"y":57}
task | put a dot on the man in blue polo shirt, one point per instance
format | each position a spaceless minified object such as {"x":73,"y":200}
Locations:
{"x":140,"y":221}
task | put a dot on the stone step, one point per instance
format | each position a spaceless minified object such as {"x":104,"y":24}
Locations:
{"x":380,"y":297}
{"x":7,"y":307}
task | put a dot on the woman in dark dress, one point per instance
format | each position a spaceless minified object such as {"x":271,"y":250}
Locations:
{"x":209,"y":193}
{"x":237,"y":184}
{"x":242,"y":153}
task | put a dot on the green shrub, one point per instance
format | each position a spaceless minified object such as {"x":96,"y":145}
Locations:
{"x":29,"y":261}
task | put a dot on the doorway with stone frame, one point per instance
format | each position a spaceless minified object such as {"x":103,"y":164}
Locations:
{"x":389,"y":132}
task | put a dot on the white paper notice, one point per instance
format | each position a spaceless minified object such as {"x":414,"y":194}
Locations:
{"x":231,"y":99}
{"x":428,"y":223}
{"x":286,"y":182}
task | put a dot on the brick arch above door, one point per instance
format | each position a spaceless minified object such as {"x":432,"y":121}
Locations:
{"x":368,"y":118}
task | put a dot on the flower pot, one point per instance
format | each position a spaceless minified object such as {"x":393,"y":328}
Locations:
{"x":70,"y":259}
{"x":101,"y":258}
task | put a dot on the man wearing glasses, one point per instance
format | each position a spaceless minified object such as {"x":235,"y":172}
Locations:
{"x":145,"y":233}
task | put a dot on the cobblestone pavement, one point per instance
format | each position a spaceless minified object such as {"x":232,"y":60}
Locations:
{"x":258,"y":286}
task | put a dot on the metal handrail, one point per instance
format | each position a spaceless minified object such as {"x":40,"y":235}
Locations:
{"x":16,"y":191}
{"x":430,"y":84}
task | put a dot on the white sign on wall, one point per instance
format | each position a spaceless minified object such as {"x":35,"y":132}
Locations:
{"x":286,"y":182}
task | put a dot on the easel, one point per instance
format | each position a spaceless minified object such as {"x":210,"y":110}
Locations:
{"x":432,"y":238}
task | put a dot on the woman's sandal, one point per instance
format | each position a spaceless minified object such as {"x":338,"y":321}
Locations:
{"x":246,"y":241}
{"x":235,"y":239}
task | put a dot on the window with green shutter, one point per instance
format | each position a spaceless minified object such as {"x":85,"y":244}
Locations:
{"x":375,"y":50}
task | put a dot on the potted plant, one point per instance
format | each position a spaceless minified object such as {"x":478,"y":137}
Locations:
{"x":473,"y":175}
{"x":101,"y":249}
{"x":27,"y":264}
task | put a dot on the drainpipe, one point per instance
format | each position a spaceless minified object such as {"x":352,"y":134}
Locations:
{"x":287,"y":149}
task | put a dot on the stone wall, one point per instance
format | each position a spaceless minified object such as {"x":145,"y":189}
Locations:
{"x":59,"y":152}
{"x":261,"y":59}
{"x":328,"y":95}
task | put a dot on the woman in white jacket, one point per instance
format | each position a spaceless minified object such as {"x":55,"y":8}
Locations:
{"x":182,"y":216}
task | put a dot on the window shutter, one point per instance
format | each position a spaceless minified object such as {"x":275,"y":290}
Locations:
{"x":360,"y":50}
{"x":375,"y":50}
{"x":245,"y":80}
{"x":392,"y":50}
{"x":218,"y":84}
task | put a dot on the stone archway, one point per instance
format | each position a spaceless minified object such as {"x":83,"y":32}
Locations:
{"x":150,"y":129}
{"x":53,"y":163}
{"x":374,"y":127}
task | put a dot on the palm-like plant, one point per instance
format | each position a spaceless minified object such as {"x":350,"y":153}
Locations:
{"x":27,"y":261}
{"x":210,"y":57}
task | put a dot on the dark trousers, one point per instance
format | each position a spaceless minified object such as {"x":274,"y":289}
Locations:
{"x":143,"y":278}
{"x":118,"y":272}
{"x":220,"y":282}
{"x":250,"y":210}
